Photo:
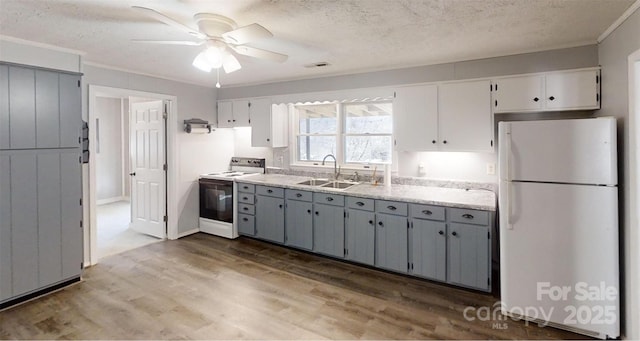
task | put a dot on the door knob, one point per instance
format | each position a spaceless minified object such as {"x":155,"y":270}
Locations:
{"x":132,"y":174}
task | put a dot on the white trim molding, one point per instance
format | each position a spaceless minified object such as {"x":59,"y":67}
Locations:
{"x":632,"y":272}
{"x":619,"y":21}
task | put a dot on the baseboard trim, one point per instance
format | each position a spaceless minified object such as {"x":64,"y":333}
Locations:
{"x":186,"y":233}
{"x":33,"y":295}
{"x":111,"y":200}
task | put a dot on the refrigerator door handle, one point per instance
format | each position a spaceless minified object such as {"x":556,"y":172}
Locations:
{"x":509,"y":204}
{"x":508,"y":167}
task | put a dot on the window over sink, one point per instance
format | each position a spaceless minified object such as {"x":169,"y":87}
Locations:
{"x":356,"y":133}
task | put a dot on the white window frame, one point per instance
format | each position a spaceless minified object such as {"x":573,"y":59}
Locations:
{"x":340,"y":135}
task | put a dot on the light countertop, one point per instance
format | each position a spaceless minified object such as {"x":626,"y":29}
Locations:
{"x":440,"y":196}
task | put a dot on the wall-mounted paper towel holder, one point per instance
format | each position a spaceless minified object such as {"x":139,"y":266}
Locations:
{"x":197,"y":126}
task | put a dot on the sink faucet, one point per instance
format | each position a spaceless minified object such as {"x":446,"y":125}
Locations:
{"x":336,"y":170}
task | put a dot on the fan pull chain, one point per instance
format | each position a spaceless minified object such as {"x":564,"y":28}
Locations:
{"x":218,"y":74}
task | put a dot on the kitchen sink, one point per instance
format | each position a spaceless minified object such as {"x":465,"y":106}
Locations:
{"x":313,"y":182}
{"x":339,"y":184}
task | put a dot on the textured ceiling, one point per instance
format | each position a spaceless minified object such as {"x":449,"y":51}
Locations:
{"x":352,"y":35}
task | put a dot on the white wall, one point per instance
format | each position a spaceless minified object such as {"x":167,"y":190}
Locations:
{"x":197,"y":154}
{"x":109,"y":175}
{"x":613,"y":54}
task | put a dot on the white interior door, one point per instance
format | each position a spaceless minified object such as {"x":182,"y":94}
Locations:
{"x":148,"y":185}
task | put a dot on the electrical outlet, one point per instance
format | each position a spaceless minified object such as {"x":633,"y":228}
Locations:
{"x":491,"y":168}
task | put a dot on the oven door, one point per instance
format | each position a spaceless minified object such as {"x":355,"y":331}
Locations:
{"x":216,"y":200}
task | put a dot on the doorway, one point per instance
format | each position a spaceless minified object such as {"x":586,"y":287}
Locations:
{"x":128,"y":174}
{"x":113,"y":154}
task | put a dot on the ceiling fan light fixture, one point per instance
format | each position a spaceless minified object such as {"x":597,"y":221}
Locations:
{"x":230,"y":63}
{"x":201,"y":62}
{"x":214,"y":56}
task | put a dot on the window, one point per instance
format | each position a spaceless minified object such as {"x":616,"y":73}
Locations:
{"x":356,"y":133}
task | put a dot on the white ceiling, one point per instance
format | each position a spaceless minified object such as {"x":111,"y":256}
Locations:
{"x":352,"y":35}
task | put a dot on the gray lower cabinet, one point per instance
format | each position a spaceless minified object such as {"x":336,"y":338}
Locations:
{"x":391,"y":235}
{"x":299,"y":223}
{"x":429,"y":249}
{"x":269,"y":218}
{"x":328,"y":224}
{"x":468,"y":256}
{"x":428,"y":241}
{"x":360,"y":231}
{"x":246,"y":209}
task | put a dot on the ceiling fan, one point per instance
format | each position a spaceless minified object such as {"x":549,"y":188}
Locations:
{"x":221,"y":37}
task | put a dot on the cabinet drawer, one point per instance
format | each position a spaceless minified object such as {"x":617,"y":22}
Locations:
{"x":246,"y":198}
{"x":246,"y":188}
{"x":360,"y":203}
{"x":246,"y":209}
{"x":427,"y":212}
{"x":329,"y":199}
{"x":298,"y":195}
{"x":246,"y":224}
{"x":391,"y":207}
{"x":270,"y":191}
{"x":464,"y":216}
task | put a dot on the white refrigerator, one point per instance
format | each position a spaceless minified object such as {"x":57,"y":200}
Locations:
{"x":558,"y":209}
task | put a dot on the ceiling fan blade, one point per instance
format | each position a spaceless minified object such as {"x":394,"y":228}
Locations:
{"x":169,"y":42}
{"x":260,"y":53}
{"x":247,"y":34}
{"x":165,"y":19}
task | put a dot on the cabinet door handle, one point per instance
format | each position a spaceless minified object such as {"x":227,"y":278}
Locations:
{"x":454,"y":233}
{"x":280,"y":206}
{"x":268,"y":140}
{"x":245,"y":198}
{"x":245,"y":208}
{"x":433,"y":141}
{"x":317,"y":213}
{"x":391,"y":208}
{"x":427,"y":212}
{"x":229,"y":121}
{"x":380,"y":223}
{"x":269,"y":191}
{"x":535,"y":99}
{"x":440,"y":232}
{"x":551,"y":98}
{"x":370,"y":222}
{"x":445,"y":141}
{"x":298,"y":195}
{"x":467,"y":216}
{"x":245,"y":187}
{"x":309,"y":211}
{"x":329,"y":199}
{"x":245,"y":219}
{"x":360,"y":203}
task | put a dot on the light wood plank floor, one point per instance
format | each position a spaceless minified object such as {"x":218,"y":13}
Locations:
{"x":205,"y":287}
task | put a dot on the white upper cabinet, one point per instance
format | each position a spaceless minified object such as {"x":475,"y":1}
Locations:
{"x":516,"y":94}
{"x":233,"y":113}
{"x":225,"y":114}
{"x":415,"y":118}
{"x":553,"y":91}
{"x":269,"y":124}
{"x":445,"y":117}
{"x":573,"y":90}
{"x":464,"y":117}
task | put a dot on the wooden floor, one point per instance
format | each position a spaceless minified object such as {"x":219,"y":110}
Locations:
{"x":205,"y":287}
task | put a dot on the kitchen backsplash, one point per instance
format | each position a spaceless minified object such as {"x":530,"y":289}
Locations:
{"x":400,"y":180}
